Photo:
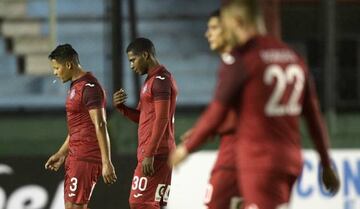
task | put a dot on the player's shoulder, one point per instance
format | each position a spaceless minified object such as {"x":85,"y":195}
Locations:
{"x":273,"y":50}
{"x":163,"y":75}
{"x":91,"y":83}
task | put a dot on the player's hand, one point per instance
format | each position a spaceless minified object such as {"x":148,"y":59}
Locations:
{"x":55,"y":162}
{"x":119,"y":97}
{"x":108,"y":173}
{"x":186,"y":135}
{"x":179,"y":155}
{"x":330,"y":180}
{"x":148,"y":166}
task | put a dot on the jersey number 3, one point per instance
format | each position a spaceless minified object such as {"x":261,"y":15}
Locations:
{"x":292,"y":74}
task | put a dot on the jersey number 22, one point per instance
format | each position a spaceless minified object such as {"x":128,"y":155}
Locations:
{"x":292,"y":74}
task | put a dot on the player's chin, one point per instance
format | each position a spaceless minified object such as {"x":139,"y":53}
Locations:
{"x":215,"y":47}
{"x":64,"y":80}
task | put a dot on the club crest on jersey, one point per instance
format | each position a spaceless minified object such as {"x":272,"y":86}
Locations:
{"x":144,"y":89}
{"x":228,"y":58}
{"x":72,"y":94}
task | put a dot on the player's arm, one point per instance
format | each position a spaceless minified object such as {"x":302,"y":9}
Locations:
{"x":98,"y":117}
{"x":56,"y":160}
{"x":161,"y":91}
{"x":119,"y":98}
{"x":229,"y":123}
{"x":228,"y":89}
{"x":94,"y":101}
{"x":315,"y":123}
{"x":319,"y":134}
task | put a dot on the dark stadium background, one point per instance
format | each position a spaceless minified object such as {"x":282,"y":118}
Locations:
{"x":32,"y":115}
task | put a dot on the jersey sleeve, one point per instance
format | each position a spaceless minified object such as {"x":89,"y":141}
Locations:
{"x":162,"y":108}
{"x":132,"y":114}
{"x":161,"y":88}
{"x":227,"y":90}
{"x":230,"y":83}
{"x":93,"y":96}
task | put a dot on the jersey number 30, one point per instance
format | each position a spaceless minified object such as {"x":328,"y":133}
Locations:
{"x":292,"y":74}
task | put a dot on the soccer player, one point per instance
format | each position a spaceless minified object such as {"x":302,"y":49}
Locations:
{"x":271,"y":88}
{"x":222,"y":194}
{"x":87,"y":146}
{"x":155,"y":116}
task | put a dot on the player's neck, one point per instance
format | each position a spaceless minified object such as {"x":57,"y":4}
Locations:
{"x":243,"y":36}
{"x":226,"y":49}
{"x":153,"y":65}
{"x":78,"y":73}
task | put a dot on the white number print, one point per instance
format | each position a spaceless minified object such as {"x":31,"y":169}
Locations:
{"x":293,"y":74}
{"x":139,"y":183}
{"x":73,"y":185}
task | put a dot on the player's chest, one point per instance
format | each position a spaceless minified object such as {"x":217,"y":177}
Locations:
{"x":146,"y":93}
{"x":74,"y":100}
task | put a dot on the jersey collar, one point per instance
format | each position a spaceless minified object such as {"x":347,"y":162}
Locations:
{"x":86,"y":76}
{"x":155,"y":70}
{"x":249,"y":44}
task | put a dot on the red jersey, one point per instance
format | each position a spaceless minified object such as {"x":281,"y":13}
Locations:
{"x":270,"y":87}
{"x":85,"y":93}
{"x":159,"y":85}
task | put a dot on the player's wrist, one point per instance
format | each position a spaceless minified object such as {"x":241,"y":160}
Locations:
{"x":61,"y":153}
{"x":182,"y":151}
{"x":106,"y":161}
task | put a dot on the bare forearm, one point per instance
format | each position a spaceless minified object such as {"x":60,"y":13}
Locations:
{"x":104,"y":142}
{"x":64,"y":149}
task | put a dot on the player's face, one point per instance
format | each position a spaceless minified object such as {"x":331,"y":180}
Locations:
{"x":214,"y":34}
{"x":137,"y":63}
{"x":61,"y":70}
{"x":229,"y":23}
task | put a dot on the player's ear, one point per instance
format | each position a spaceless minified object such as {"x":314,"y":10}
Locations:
{"x":68,"y":65}
{"x":146,"y":55}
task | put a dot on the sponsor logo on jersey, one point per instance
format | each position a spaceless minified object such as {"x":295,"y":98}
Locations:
{"x":90,"y":84}
{"x":138,"y":195}
{"x":159,"y":77}
{"x":228,"y":58}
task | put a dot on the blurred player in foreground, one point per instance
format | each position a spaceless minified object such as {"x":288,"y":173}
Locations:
{"x":155,"y":116}
{"x":87,"y":147}
{"x":271,"y":88}
{"x":221,"y":192}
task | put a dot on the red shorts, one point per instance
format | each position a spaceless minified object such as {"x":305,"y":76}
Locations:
{"x":80,"y":180}
{"x":154,"y":190}
{"x":222,"y":191}
{"x":266,"y":190}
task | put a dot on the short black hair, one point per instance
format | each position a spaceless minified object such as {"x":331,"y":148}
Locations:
{"x":63,"y":53}
{"x":215,"y":13}
{"x":141,"y":45}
